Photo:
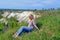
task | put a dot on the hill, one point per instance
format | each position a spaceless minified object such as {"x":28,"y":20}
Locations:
{"x":49,"y":24}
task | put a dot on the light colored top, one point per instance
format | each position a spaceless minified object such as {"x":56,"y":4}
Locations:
{"x":32,"y":24}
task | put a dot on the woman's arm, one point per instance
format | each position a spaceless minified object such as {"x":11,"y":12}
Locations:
{"x":35,"y":25}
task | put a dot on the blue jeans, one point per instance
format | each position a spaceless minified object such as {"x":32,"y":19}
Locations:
{"x":24,"y":28}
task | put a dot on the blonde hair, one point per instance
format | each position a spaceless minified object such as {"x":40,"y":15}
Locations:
{"x":31,"y":16}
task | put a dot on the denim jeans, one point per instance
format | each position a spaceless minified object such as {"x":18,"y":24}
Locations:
{"x":24,"y":28}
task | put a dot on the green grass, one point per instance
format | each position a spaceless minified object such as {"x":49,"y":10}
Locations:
{"x":49,"y":25}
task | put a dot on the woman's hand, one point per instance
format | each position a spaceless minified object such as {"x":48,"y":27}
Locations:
{"x":38,"y":30}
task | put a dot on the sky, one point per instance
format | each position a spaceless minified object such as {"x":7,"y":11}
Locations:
{"x":29,"y":4}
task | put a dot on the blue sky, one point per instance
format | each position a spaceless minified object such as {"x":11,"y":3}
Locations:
{"x":29,"y":4}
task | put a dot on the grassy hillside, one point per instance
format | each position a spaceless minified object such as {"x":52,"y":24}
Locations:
{"x":49,"y":24}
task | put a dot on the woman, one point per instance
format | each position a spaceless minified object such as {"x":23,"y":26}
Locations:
{"x":28,"y":28}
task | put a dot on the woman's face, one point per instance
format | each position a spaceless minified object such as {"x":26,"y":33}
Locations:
{"x":30,"y":17}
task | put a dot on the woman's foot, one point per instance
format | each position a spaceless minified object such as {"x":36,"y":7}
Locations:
{"x":15,"y":35}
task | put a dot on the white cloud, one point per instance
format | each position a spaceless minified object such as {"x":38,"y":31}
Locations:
{"x":37,"y":4}
{"x":49,"y":1}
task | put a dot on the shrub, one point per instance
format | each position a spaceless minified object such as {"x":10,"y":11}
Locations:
{"x":38,"y":23}
{"x":1,"y":16}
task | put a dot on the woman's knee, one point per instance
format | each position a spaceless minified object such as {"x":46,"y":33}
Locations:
{"x":23,"y":26}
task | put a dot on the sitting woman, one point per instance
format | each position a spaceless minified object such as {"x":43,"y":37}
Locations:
{"x":28,"y":28}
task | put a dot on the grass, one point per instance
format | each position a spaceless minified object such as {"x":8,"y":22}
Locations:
{"x":49,"y":25}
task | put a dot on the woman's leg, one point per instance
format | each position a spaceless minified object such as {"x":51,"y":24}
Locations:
{"x":23,"y":28}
